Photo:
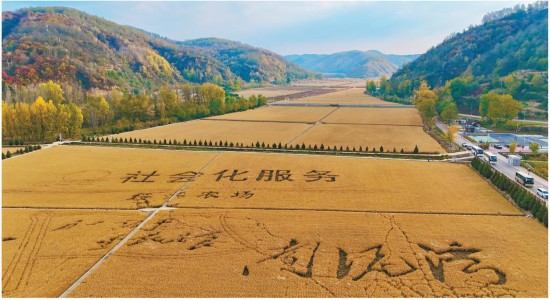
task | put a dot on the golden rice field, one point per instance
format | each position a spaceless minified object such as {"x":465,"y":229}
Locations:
{"x":388,"y":136}
{"x":189,"y":252}
{"x":275,"y":181}
{"x":330,"y":82}
{"x":45,"y":251}
{"x":279,"y":114}
{"x":216,"y":130}
{"x":346,"y":96}
{"x":375,"y":116}
{"x":266,"y":225}
{"x":91,"y":177}
{"x":274,"y":91}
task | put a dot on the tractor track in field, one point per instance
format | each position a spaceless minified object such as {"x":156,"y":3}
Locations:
{"x":130,"y":235}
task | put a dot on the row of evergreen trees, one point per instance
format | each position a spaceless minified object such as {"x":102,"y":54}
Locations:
{"x":241,"y":145}
{"x":523,"y":198}
{"x":27,"y":149}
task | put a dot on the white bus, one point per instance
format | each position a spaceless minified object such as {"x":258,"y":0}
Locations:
{"x":524,"y":179}
{"x":476,"y":151}
{"x":490,"y":157}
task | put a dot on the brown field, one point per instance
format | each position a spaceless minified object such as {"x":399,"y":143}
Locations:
{"x":331,"y":82}
{"x":279,"y":113}
{"x":358,"y":184}
{"x":11,"y":149}
{"x":274,"y":91}
{"x":347,"y":96}
{"x":45,"y":251}
{"x":233,"y":253}
{"x":92,"y":177}
{"x":375,"y":116}
{"x":388,"y":136}
{"x":230,"y":131}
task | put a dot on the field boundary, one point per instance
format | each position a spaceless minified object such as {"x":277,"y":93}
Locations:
{"x":291,"y":151}
{"x":343,"y":105}
{"x":131,"y":234}
{"x":354,"y":211}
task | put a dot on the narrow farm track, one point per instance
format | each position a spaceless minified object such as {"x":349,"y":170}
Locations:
{"x":257,"y":121}
{"x":131,"y":234}
{"x":311,"y":127}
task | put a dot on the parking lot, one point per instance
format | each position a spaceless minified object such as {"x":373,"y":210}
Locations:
{"x":507,"y":138}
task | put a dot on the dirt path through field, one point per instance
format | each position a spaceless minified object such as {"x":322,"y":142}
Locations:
{"x":313,"y":125}
{"x":134,"y":231}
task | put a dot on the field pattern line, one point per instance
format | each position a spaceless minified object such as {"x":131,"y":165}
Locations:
{"x":258,"y":121}
{"x":131,"y":234}
{"x":310,"y":127}
{"x":353,"y":211}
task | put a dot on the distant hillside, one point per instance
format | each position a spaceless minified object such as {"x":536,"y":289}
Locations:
{"x":353,"y":64}
{"x":67,"y":45}
{"x":507,"y":54}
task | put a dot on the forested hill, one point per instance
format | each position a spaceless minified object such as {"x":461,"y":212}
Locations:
{"x":353,"y":64}
{"x":507,"y":54}
{"x":67,"y":45}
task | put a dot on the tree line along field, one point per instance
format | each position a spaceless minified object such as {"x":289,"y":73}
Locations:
{"x":371,"y":136}
{"x":295,"y":254}
{"x":346,"y":127}
{"x":258,"y":223}
{"x":246,"y":132}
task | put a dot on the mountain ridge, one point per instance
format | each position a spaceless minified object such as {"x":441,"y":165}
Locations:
{"x":68,"y":45}
{"x":353,"y":63}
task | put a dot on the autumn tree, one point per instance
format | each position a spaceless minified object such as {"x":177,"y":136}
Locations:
{"x":371,"y":86}
{"x":513,"y":146}
{"x":51,"y":91}
{"x":534,"y":147}
{"x":450,"y":134}
{"x":496,"y":107}
{"x":424,"y":100}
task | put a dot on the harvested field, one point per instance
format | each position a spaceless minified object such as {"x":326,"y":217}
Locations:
{"x":45,"y":251}
{"x":388,"y":136}
{"x":375,"y":116}
{"x":274,"y":91}
{"x":93,"y":177}
{"x":214,"y":130}
{"x":347,"y":96}
{"x":331,"y":82}
{"x":275,"y":181}
{"x":280,"y":114}
{"x":325,"y":254}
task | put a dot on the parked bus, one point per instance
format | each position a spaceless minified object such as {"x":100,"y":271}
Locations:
{"x":476,"y":151}
{"x":490,"y":157}
{"x":524,"y":179}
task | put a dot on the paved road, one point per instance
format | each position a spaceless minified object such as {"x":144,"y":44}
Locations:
{"x":502,"y":163}
{"x":517,"y":120}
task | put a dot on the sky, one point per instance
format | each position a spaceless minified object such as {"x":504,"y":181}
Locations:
{"x":396,"y":27}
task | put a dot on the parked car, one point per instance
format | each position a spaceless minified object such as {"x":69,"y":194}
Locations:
{"x":464,"y":145}
{"x":497,"y":146}
{"x":542,"y":192}
{"x":469,"y":147}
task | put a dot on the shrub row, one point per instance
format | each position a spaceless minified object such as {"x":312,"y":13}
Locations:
{"x":27,"y":149}
{"x":523,"y":198}
{"x":241,"y":145}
